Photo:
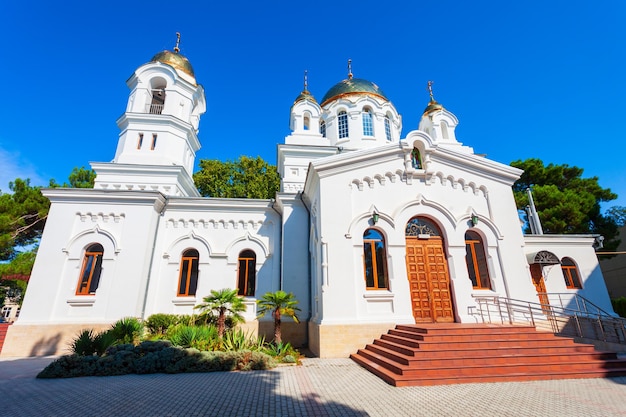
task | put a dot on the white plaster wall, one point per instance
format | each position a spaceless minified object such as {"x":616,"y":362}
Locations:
{"x":219,"y":234}
{"x":350,"y":192}
{"x":123,"y":225}
{"x":580,"y":249}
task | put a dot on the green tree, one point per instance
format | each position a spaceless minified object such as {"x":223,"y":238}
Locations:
{"x":566,"y":202}
{"x":244,"y":178}
{"x":22,"y":217}
{"x":618,"y":215}
{"x":225,"y":302}
{"x":81,"y":178}
{"x":279,"y":304}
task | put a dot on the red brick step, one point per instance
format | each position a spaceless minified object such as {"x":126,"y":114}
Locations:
{"x":462,"y":353}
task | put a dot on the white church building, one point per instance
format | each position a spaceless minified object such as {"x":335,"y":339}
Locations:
{"x":370,"y":228}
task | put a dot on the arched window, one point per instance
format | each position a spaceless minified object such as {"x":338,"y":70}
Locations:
{"x":91,"y":270}
{"x":188,"y":277}
{"x":246,"y":282}
{"x":570,"y":273}
{"x":375,"y":260}
{"x":368,"y":125}
{"x":387,"y":128}
{"x":323,"y":128}
{"x":444,"y":130}
{"x":343,"y":124}
{"x":416,"y":159}
{"x":307,"y":122}
{"x":158,"y":101}
{"x":476,"y":261}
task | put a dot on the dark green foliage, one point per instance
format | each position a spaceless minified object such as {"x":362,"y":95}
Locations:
{"x":154,"y":357}
{"x":244,"y":178}
{"x":127,"y":330}
{"x":278,"y":304}
{"x":159,"y":323}
{"x":282,"y":352}
{"x":566,"y":202}
{"x":22,"y":217}
{"x":619,"y":306}
{"x":199,"y":337}
{"x":223,"y":303}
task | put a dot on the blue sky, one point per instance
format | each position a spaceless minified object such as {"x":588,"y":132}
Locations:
{"x":526,"y":79}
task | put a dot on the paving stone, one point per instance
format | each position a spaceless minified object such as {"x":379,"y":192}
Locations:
{"x":320,"y":387}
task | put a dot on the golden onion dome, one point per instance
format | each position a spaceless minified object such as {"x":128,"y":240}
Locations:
{"x":433,"y":106}
{"x":353,"y":86}
{"x":304,"y":95}
{"x":175,"y":60}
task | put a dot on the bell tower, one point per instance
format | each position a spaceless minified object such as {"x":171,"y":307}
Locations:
{"x":158,"y":137}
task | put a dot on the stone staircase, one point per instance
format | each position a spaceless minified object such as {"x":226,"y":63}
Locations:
{"x":437,"y":354}
{"x":4,"y":327}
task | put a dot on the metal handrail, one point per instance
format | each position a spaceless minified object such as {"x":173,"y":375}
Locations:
{"x":588,"y":324}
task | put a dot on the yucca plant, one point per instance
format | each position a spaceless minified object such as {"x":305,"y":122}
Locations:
{"x":83,"y":344}
{"x":201,"y":337}
{"x":236,"y":340}
{"x":128,"y":330}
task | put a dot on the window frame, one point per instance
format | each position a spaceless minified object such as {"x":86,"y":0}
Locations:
{"x":378,"y":263}
{"x":388,"y":129}
{"x":188,"y":273}
{"x":571,"y":282}
{"x":342,"y":124}
{"x":246,"y":278}
{"x":475,"y":250}
{"x":91,"y":271}
{"x":368,"y":122}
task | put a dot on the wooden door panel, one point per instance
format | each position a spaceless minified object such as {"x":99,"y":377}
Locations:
{"x":429,"y":280}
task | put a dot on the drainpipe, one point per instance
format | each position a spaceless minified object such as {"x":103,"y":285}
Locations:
{"x":156,"y":234}
{"x":280,"y":241}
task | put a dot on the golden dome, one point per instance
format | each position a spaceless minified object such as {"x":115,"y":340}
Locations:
{"x":175,"y":60}
{"x":433,"y":106}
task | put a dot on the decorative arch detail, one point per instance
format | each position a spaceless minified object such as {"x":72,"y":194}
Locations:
{"x":71,"y":246}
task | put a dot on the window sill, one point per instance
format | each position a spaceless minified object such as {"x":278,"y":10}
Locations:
{"x":86,"y":301}
{"x":184,"y":301}
{"x":378,"y":295}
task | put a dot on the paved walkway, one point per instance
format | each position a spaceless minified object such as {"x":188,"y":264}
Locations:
{"x":321,"y":387}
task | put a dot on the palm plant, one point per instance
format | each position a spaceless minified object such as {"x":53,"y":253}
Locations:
{"x":278,"y":303}
{"x":224,"y":302}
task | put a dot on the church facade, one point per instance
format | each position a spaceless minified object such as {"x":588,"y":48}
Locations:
{"x":370,"y":229}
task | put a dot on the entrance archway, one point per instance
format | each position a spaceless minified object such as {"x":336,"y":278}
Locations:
{"x":427,"y":272}
{"x":539,"y":260}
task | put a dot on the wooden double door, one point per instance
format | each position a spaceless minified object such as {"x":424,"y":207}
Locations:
{"x":429,"y":280}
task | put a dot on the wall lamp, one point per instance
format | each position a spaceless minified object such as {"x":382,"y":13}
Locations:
{"x":474,"y":220}
{"x":375,"y":217}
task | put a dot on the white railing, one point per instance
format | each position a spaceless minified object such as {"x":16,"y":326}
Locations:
{"x":576,"y":316}
{"x":156,"y":108}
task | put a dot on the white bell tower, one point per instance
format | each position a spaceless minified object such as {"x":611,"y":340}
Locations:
{"x":158,"y":137}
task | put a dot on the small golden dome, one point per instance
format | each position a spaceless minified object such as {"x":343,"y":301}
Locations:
{"x":305,"y":95}
{"x":433,"y":106}
{"x":175,"y":60}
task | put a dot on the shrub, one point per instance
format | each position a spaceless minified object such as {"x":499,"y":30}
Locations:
{"x":153,"y":357}
{"x":159,"y":323}
{"x":281,"y":352}
{"x":128,"y":330}
{"x":201,"y":337}
{"x":236,"y":340}
{"x":84,"y":344}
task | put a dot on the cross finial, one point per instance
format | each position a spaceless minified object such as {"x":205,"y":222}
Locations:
{"x":176,"y":48}
{"x":430,"y":90}
{"x":306,"y":80}
{"x":349,"y":68}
